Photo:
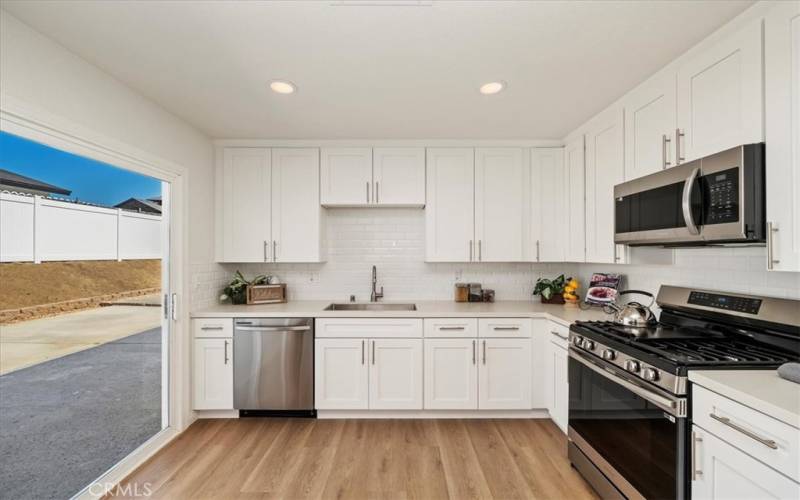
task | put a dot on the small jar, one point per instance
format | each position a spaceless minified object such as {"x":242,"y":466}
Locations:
{"x":475,"y":292}
{"x":462,"y":292}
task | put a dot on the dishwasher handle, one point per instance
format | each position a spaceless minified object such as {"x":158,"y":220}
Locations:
{"x":304,"y":328}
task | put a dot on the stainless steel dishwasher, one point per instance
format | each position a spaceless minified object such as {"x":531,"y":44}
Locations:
{"x":273,"y":366}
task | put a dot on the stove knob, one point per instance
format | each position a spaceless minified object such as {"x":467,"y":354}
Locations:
{"x":588,"y":345}
{"x":632,"y":366}
{"x":650,"y":374}
{"x":577,"y":341}
{"x":609,"y":355}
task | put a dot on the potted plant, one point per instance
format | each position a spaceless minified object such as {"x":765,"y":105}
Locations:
{"x":236,"y":290}
{"x":551,"y":291}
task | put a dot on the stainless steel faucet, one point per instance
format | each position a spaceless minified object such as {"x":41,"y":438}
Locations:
{"x":374,"y":296}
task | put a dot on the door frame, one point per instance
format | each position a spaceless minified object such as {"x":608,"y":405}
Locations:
{"x":20,"y":119}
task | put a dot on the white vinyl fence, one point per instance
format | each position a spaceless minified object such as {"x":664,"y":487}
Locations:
{"x":37,"y":229}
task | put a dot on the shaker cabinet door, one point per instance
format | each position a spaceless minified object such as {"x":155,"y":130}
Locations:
{"x":548,"y":215}
{"x":504,"y":381}
{"x":449,"y":213}
{"x":399,"y":176}
{"x":501,"y":194}
{"x":341,"y":374}
{"x":296,"y":213}
{"x":451,"y":374}
{"x":395,"y":374}
{"x":650,"y":127}
{"x":346,"y":177}
{"x":212,"y":377}
{"x":244,"y":181}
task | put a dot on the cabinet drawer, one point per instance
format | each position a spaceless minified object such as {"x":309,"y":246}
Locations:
{"x":760,"y":436}
{"x":558,"y":334}
{"x":504,"y":327}
{"x":209,"y":328}
{"x":368,"y":327}
{"x":451,"y":327}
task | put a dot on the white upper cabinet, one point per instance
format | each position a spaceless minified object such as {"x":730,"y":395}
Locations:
{"x":449,"y":212}
{"x":244,"y":178}
{"x":399,"y":176}
{"x":650,"y":127}
{"x":270,"y":205}
{"x":501,"y":181}
{"x":720,"y":95}
{"x":604,"y":169}
{"x":346,"y":176}
{"x":547,"y":216}
{"x":296,"y":214}
{"x":782,"y":54}
{"x":574,"y":201}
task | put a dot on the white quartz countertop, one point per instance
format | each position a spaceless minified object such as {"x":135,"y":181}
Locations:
{"x":425,"y":309}
{"x":762,"y":390}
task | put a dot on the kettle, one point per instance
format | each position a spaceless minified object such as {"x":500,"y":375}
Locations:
{"x":633,"y":314}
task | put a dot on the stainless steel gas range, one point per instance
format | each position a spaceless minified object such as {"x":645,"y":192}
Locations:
{"x":629,"y":396}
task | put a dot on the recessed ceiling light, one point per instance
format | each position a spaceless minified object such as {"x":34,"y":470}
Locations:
{"x":492,"y":87}
{"x":282,"y":86}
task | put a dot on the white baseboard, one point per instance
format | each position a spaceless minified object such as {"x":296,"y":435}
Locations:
{"x":430,"y":414}
{"x":217,"y":413}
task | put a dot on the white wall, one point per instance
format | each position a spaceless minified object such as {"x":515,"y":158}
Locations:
{"x":393,"y":239}
{"x":44,"y":75}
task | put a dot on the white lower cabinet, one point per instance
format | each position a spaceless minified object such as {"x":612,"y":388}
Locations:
{"x":361,"y":374}
{"x":721,"y":471}
{"x":213,"y":373}
{"x":557,"y":368}
{"x":451,"y":374}
{"x":395,"y":374}
{"x":504,"y":375}
{"x":341,"y":374}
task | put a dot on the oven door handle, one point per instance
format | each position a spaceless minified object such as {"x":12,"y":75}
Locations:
{"x":674,"y":406}
{"x":686,"y":200}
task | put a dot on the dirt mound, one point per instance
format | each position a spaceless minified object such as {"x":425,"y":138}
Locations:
{"x":25,"y":284}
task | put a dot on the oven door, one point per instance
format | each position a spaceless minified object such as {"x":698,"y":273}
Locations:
{"x":631,"y":432}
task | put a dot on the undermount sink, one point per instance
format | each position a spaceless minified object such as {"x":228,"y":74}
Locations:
{"x":371,"y":307}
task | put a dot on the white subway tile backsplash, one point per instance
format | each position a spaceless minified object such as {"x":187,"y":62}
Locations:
{"x":393,"y":239}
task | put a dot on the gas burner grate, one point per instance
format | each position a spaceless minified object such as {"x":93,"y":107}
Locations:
{"x":715,"y":351}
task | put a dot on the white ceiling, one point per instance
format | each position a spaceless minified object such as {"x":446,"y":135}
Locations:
{"x":391,"y":72}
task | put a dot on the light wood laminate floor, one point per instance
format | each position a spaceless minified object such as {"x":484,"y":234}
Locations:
{"x":305,"y":458}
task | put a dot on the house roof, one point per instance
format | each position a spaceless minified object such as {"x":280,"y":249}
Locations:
{"x":20,"y":181}
{"x":140,"y":205}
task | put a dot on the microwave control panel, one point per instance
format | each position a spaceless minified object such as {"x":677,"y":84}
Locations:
{"x":722,"y":204}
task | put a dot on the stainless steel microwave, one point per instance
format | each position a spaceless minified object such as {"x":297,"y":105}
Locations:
{"x":718,"y":199}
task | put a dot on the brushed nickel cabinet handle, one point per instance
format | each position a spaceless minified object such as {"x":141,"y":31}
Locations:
{"x":226,"y":352}
{"x":470,"y":250}
{"x":210,"y":328}
{"x":377,"y":192}
{"x":769,"y":443}
{"x":265,"y":251}
{"x":664,"y":148}
{"x":473,"y":352}
{"x":480,"y":250}
{"x":505,"y":328}
{"x":484,"y":352}
{"x":274,"y":251}
{"x":451,"y":328}
{"x":373,"y":352}
{"x":537,"y":251}
{"x":678,"y":157}
{"x":771,"y":261}
{"x":367,"y":191}
{"x":695,"y":471}
{"x":558,"y":335}
{"x":362,"y":352}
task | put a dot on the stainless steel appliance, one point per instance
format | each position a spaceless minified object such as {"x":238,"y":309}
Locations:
{"x":714,"y":200}
{"x":273,"y":367}
{"x":629,"y":393}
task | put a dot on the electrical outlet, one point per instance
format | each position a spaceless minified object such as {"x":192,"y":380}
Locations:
{"x":458,"y":275}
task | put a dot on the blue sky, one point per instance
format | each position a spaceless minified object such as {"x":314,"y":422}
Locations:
{"x":89,"y":180}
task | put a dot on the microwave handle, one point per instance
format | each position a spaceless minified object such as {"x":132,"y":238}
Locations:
{"x":686,"y":202}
